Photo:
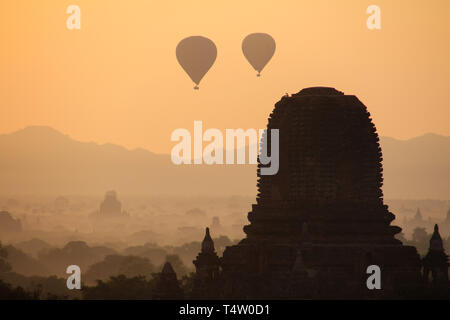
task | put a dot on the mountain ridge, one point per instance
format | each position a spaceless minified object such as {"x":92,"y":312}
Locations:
{"x":41,"y":159}
{"x":37,"y":128}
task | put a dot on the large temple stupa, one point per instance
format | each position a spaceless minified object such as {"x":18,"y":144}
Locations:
{"x":320,"y":221}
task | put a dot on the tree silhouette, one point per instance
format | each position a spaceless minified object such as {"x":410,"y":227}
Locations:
{"x":7,"y":292}
{"x":120,"y":288}
{"x":114,"y":265}
{"x":4,"y":265}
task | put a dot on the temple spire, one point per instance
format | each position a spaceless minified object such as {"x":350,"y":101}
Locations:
{"x":208,"y":243}
{"x":167,"y":285}
{"x":436,"y":240}
{"x":168,"y":269}
{"x":436,"y":260}
{"x":207,"y":265}
{"x":418,"y":215}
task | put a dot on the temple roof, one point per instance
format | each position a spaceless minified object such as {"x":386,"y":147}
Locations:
{"x":207,"y":256}
{"x":208,"y":243}
{"x":319,"y":91}
{"x":436,"y":240}
{"x":167,"y":269}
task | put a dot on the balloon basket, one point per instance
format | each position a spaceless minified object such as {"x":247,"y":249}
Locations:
{"x":196,"y":88}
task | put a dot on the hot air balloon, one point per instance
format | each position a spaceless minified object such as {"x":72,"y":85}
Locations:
{"x":196,"y":55}
{"x":258,"y":48}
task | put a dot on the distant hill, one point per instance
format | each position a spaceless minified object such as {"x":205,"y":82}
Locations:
{"x":41,"y":160}
{"x":417,"y":168}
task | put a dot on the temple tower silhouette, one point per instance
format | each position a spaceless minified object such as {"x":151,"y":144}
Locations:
{"x":167,"y":286}
{"x":207,"y":264}
{"x":436,"y":260}
{"x":324,"y":204}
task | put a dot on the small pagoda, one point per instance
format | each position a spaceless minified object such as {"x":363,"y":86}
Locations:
{"x":167,"y":285}
{"x":207,"y":264}
{"x":436,"y":261}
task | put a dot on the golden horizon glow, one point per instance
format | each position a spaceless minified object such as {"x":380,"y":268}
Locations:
{"x":117,"y":79}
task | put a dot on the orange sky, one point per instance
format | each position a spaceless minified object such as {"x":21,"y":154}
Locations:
{"x":117,"y":79}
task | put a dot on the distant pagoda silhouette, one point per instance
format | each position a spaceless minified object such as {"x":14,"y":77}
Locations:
{"x":167,"y":285}
{"x":321,"y":220}
{"x":110,"y":208}
{"x":207,"y":263}
{"x":436,"y":260}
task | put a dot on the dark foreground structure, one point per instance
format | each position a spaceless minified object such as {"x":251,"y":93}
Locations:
{"x":321,"y":221}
